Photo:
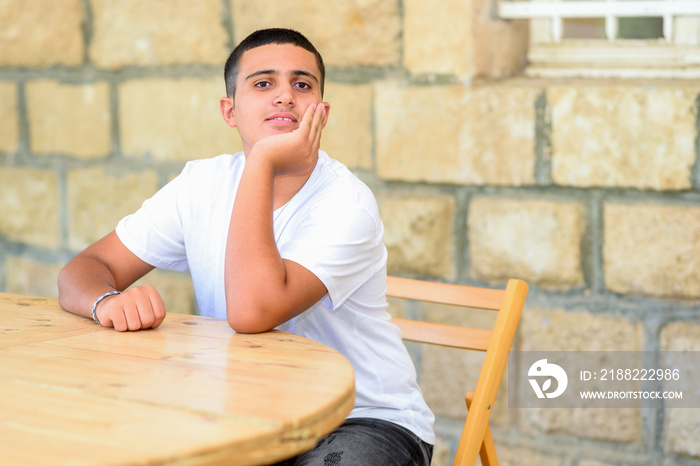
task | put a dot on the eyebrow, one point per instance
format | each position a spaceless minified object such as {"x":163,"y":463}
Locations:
{"x":275,"y":72}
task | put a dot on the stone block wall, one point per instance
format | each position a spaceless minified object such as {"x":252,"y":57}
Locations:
{"x":589,"y":190}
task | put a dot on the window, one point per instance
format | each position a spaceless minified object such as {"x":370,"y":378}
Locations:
{"x":610,"y":38}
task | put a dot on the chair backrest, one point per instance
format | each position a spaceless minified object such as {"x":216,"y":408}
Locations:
{"x":496,"y":343}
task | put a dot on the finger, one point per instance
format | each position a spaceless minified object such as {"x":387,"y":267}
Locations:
{"x":317,"y":125}
{"x":110,"y":313}
{"x":104,"y":317}
{"x":158,"y":309}
{"x":133,"y":320}
{"x":144,"y":307}
{"x":307,"y":119}
{"x":312,"y":133}
{"x":146,"y":315}
{"x":118,"y":319}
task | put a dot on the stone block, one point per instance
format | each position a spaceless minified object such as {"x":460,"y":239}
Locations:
{"x":476,"y":135}
{"x":524,"y":457}
{"x":557,"y":330}
{"x":681,"y":426}
{"x":652,"y":249}
{"x":619,"y":425}
{"x":477,"y":44}
{"x":41,"y":33}
{"x":427,"y":49}
{"x":98,"y":199}
{"x":30,"y":277}
{"x":29,"y":202}
{"x":176,"y":32}
{"x":355,"y":33}
{"x":534,"y":240}
{"x":69,"y":119}
{"x":680,"y":336}
{"x":682,"y":432}
{"x":418,"y":234}
{"x":500,"y":46}
{"x":623,"y":135}
{"x":175,"y":288}
{"x":347,"y":136}
{"x":9,"y":119}
{"x":407,"y":135}
{"x":497,"y":134}
{"x":181,"y":122}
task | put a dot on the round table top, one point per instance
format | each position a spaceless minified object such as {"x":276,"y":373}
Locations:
{"x":190,"y":391}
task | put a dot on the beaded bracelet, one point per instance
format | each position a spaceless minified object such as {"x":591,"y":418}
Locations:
{"x":97,"y":301}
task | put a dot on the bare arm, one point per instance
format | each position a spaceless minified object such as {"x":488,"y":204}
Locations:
{"x":262,"y":289}
{"x":106,"y":266}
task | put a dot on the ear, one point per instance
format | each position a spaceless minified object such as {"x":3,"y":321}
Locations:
{"x":327,"y":111}
{"x":226,"y":107}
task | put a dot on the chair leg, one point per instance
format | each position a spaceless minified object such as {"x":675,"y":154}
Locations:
{"x":487,"y":453}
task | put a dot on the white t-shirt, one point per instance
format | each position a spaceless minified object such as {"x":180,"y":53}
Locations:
{"x":332,"y":228}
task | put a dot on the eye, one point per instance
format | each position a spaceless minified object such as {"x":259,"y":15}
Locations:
{"x":262,"y":84}
{"x":303,"y":85}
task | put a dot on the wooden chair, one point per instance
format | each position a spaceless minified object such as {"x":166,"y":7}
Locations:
{"x":476,"y":436}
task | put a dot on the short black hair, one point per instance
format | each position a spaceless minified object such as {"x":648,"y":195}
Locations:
{"x":264,"y":37}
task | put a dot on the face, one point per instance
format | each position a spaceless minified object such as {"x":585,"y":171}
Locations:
{"x":275,"y":85}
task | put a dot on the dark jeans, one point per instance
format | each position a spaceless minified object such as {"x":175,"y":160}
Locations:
{"x":366,"y":442}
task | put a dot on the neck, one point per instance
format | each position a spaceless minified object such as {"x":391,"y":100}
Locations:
{"x":286,"y":186}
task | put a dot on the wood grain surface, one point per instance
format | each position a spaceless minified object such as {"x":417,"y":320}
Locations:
{"x":189,"y":392}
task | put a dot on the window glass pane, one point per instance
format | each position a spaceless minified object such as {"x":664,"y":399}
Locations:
{"x":640,"y":28}
{"x":584,"y":28}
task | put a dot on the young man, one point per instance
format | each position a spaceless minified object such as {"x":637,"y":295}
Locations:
{"x":277,"y":236}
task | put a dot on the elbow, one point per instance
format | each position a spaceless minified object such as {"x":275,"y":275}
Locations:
{"x":247,"y":327}
{"x":62,"y":284}
{"x":62,"y":278}
{"x":246,"y":321}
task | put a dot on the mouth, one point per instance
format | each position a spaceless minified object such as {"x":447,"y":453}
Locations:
{"x":282,"y":118}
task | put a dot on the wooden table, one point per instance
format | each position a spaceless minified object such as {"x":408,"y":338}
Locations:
{"x":190,"y":392}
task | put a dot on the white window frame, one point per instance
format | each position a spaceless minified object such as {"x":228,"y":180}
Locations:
{"x":676,"y":55}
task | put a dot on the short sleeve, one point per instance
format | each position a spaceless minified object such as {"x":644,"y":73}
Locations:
{"x":154,"y":233}
{"x":340,"y":243}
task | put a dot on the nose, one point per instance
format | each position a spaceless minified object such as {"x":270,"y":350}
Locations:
{"x":285,"y":95}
